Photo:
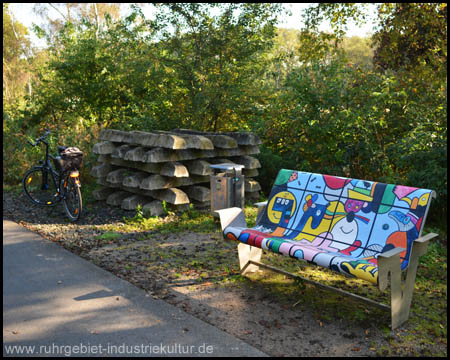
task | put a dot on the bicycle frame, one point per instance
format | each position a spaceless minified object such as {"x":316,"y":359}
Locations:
{"x":57,"y":176}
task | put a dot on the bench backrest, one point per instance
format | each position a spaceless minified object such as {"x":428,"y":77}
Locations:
{"x":354,"y":217}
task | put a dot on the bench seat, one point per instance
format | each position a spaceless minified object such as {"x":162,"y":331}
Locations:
{"x":320,"y":251}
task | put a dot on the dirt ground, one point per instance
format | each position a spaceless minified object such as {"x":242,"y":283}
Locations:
{"x":244,"y":308}
{"x":186,"y":270}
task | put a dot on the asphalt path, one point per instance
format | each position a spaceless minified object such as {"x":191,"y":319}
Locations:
{"x":57,"y":304}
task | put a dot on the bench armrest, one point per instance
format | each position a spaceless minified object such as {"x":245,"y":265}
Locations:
{"x":389,"y":261}
{"x":426,"y":237}
{"x":231,"y":217}
{"x":261,"y":206}
{"x":391,"y":253}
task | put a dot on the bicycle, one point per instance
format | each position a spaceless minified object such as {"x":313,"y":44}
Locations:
{"x":45,"y":186}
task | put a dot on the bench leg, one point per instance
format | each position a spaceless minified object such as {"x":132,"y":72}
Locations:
{"x":390,"y":264}
{"x":247,"y":253}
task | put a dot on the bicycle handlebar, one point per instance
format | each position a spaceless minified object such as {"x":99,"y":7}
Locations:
{"x":38,"y":140}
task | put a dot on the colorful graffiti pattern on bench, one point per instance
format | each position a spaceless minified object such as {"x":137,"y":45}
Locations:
{"x":336,"y":222}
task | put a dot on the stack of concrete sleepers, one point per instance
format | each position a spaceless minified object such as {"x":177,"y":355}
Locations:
{"x":140,"y":168}
{"x":236,"y":147}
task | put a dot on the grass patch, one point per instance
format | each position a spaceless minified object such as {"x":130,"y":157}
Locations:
{"x":108,"y":236}
{"x":16,"y":189}
{"x":427,"y":324}
{"x":192,"y":220}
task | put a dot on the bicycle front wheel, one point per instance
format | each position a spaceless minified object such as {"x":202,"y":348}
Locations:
{"x":40,"y":187}
{"x":72,"y":198}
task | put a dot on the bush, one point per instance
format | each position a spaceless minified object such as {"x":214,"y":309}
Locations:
{"x":270,"y":165}
{"x":340,"y":120}
{"x":19,"y":156}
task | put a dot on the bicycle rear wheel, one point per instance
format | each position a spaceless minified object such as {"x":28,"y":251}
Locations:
{"x":72,"y":201}
{"x":40,"y":187}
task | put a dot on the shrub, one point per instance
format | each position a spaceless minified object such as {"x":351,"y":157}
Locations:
{"x":341,"y":120}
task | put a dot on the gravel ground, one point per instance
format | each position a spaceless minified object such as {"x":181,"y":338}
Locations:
{"x":186,"y":270}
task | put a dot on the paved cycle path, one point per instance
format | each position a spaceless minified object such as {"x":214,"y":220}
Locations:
{"x":57,"y":304}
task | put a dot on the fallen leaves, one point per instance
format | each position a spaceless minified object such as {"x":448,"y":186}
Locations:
{"x":160,"y":264}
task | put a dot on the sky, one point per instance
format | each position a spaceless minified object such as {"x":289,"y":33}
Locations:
{"x":23,"y":12}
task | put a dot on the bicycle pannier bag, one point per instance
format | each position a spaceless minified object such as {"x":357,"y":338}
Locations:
{"x":72,"y":159}
{"x":58,"y":163}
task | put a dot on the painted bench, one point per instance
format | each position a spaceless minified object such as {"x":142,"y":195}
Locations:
{"x":359,"y":228}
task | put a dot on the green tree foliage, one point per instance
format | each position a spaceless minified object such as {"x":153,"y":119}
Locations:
{"x":73,"y":13}
{"x":412,"y":35}
{"x":366,"y":108}
{"x":358,"y":51}
{"x":350,"y":121}
{"x":17,"y":82}
{"x":16,"y":50}
{"x":320,"y":45}
{"x":386,"y":123}
{"x":202,"y":75}
{"x":218,"y":60}
{"x":283,"y":57}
